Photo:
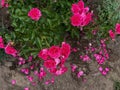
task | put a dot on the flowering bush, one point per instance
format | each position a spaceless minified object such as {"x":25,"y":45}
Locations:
{"x":42,"y":26}
{"x":38,"y":24}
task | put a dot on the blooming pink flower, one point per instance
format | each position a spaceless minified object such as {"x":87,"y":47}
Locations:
{"x":100,"y":69}
{"x":80,"y":73}
{"x":13,"y":82}
{"x":117,"y":28}
{"x":43,"y":54}
{"x":50,"y":64}
{"x":30,"y":78}
{"x":85,"y":58}
{"x":111,"y":34}
{"x":81,"y":4}
{"x":3,"y":3}
{"x":104,"y":72}
{"x":26,"y":88}
{"x":75,"y":8}
{"x":10,"y":50}
{"x":65,"y":50}
{"x":73,"y":68}
{"x":76,"y":20}
{"x":41,"y":74}
{"x":54,"y":52}
{"x":107,"y":69}
{"x":61,"y":71}
{"x":35,"y":14}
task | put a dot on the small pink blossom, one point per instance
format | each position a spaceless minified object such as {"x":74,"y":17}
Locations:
{"x":117,"y":28}
{"x":107,"y":69}
{"x":80,"y":73}
{"x":4,"y":3}
{"x":61,"y":71}
{"x":13,"y":82}
{"x":30,"y":78}
{"x":47,"y":82}
{"x":104,"y":72}
{"x":85,"y":58}
{"x":111,"y":34}
{"x":100,"y":69}
{"x":42,"y":73}
{"x":26,"y":88}
{"x":74,"y":50}
{"x":65,"y":50}
{"x":43,"y":54}
{"x":25,"y":71}
{"x":94,"y":32}
{"x":35,"y":14}
{"x":73,"y":68}
{"x":1,"y":42}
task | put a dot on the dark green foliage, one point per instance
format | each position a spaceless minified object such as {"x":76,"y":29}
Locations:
{"x":108,"y":16}
{"x":117,"y":85}
{"x":31,"y":36}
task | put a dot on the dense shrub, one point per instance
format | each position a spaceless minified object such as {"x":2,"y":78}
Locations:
{"x":30,"y":36}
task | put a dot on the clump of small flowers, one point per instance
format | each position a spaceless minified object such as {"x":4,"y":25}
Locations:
{"x":81,"y":15}
{"x":55,"y":57}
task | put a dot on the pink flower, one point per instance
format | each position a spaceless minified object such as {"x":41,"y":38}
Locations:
{"x":85,"y":58}
{"x":35,"y":14}
{"x":65,"y":50}
{"x":81,"y":4}
{"x":87,"y":19}
{"x":73,"y":68}
{"x":54,"y":52}
{"x":117,"y":28}
{"x":100,"y":69}
{"x":10,"y":50}
{"x":80,"y":73}
{"x":61,"y":71}
{"x":76,"y":20}
{"x":13,"y":82}
{"x":3,"y":3}
{"x":50,"y":64}
{"x":26,"y":88}
{"x":30,"y":78}
{"x":43,"y":54}
{"x":1,"y":42}
{"x":107,"y":69}
{"x":42,"y":73}
{"x":104,"y":72}
{"x":111,"y":34}
{"x":75,"y":8}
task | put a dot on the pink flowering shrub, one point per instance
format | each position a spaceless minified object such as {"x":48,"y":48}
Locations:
{"x":35,"y":14}
{"x":38,"y":29}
